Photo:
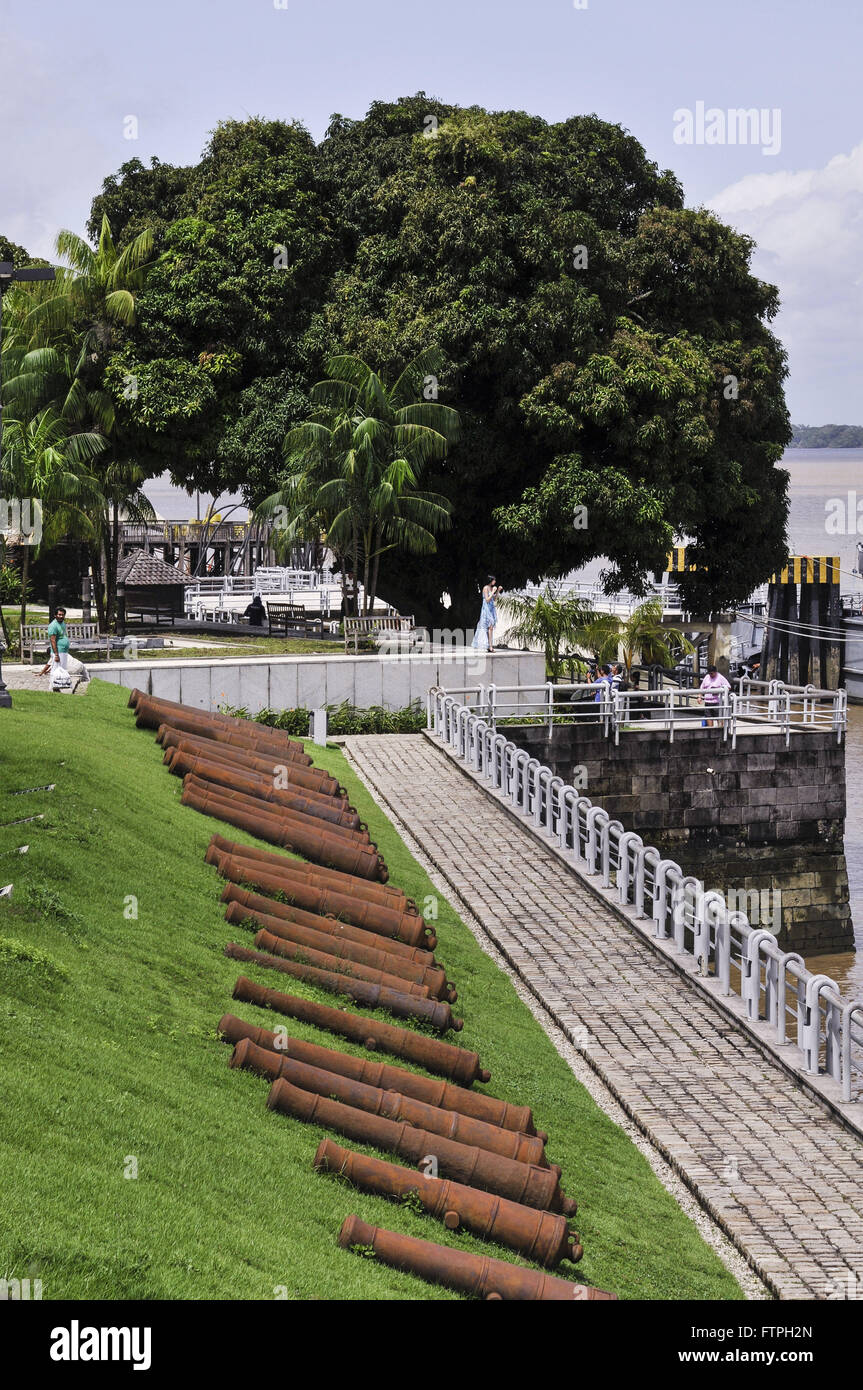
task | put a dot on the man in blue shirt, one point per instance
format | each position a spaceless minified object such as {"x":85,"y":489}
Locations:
{"x":59,"y":642}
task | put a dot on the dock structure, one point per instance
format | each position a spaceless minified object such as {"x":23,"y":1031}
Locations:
{"x":194,"y":547}
{"x":803,"y":637}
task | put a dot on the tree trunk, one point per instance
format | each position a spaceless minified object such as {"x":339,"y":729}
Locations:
{"x":375,"y":571}
{"x":367,"y":544}
{"x":95,"y":554}
{"x":25,"y":570}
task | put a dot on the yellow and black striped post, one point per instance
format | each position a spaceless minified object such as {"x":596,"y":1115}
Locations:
{"x":803,"y":637}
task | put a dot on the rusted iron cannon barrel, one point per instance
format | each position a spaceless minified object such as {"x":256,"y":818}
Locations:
{"x":441,"y":1094}
{"x":400,"y":1002}
{"x":324,"y":960}
{"x":335,"y":977}
{"x":392,"y":1105}
{"x":293,"y":871}
{"x":283,"y":814}
{"x":258,"y":785}
{"x":434,"y":1054}
{"x":476,"y":1275}
{"x":229,"y":721}
{"x":313,"y":780}
{"x":259,"y":907}
{"x":151,"y":704}
{"x":316,"y":844}
{"x":387,"y":893}
{"x":238,"y":739}
{"x":521,"y":1182}
{"x":336,"y":947}
{"x":542,"y":1236}
{"x":316,"y":897}
{"x":150,"y":715}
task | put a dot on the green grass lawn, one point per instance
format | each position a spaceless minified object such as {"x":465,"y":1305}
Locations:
{"x":240,"y":646}
{"x":109,"y":1060}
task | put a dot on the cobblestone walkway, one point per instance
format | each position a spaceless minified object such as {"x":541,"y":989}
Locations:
{"x":783,"y":1179}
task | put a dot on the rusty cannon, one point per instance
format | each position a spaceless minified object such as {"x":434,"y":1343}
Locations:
{"x":387,"y":893}
{"x":312,"y":780}
{"x":150,"y":714}
{"x":296,"y":874}
{"x":258,"y":907}
{"x":257,"y":784}
{"x":335,"y":947}
{"x":324,"y":960}
{"x":542,"y":1236}
{"x":315,"y":897}
{"x":399,"y":1002}
{"x":441,"y":1094}
{"x":138,"y":699}
{"x":435,"y":1055}
{"x":520,"y":1182}
{"x":392,"y":1105}
{"x":476,"y":1275}
{"x":292,"y":871}
{"x":248,"y":740}
{"x":290,"y":834}
{"x":282,"y":814}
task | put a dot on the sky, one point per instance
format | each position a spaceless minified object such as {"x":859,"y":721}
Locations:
{"x":71,"y":76}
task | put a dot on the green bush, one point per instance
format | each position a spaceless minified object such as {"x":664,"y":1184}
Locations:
{"x":342,"y":719}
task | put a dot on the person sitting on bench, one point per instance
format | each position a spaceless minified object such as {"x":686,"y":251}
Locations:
{"x":255,"y":612}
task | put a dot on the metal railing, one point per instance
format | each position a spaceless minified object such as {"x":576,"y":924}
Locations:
{"x":758,"y":703}
{"x":801,"y":1010}
{"x":621,"y":604}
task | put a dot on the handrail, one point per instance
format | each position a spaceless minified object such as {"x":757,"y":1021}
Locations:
{"x":699,"y":923}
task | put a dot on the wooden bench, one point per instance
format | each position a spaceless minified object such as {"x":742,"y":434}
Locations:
{"x":285,"y":617}
{"x":391,"y":626}
{"x":82,"y":636}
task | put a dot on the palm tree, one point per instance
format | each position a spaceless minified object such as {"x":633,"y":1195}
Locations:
{"x":60,"y":350}
{"x":94,"y":295}
{"x":557,"y":622}
{"x":354,"y":470}
{"x":45,"y":460}
{"x":642,"y":634}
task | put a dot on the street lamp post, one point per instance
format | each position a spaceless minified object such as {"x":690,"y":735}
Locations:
{"x":8,"y":274}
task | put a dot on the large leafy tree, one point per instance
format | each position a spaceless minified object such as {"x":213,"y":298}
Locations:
{"x":608,"y":350}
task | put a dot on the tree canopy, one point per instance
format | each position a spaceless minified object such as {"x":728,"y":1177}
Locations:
{"x":608,"y":350}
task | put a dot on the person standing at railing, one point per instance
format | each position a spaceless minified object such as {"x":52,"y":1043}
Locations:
{"x":483,"y":638}
{"x":712,"y":695}
{"x":604,"y":684}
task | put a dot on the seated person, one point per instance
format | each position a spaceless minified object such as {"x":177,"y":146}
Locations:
{"x":255,"y":613}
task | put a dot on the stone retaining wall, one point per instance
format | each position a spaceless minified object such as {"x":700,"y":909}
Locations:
{"x":759,"y":818}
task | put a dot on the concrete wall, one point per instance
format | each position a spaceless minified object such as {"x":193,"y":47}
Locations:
{"x":761,"y":817}
{"x":309,"y":682}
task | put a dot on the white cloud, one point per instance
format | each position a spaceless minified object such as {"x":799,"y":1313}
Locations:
{"x":808,"y":226}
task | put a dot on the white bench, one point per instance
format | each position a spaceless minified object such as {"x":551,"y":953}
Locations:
{"x":82,"y":636}
{"x":389,"y":626}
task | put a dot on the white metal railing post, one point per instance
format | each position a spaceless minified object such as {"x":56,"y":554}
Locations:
{"x":812,"y":1020}
{"x":750,"y":980}
{"x":660,"y":906}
